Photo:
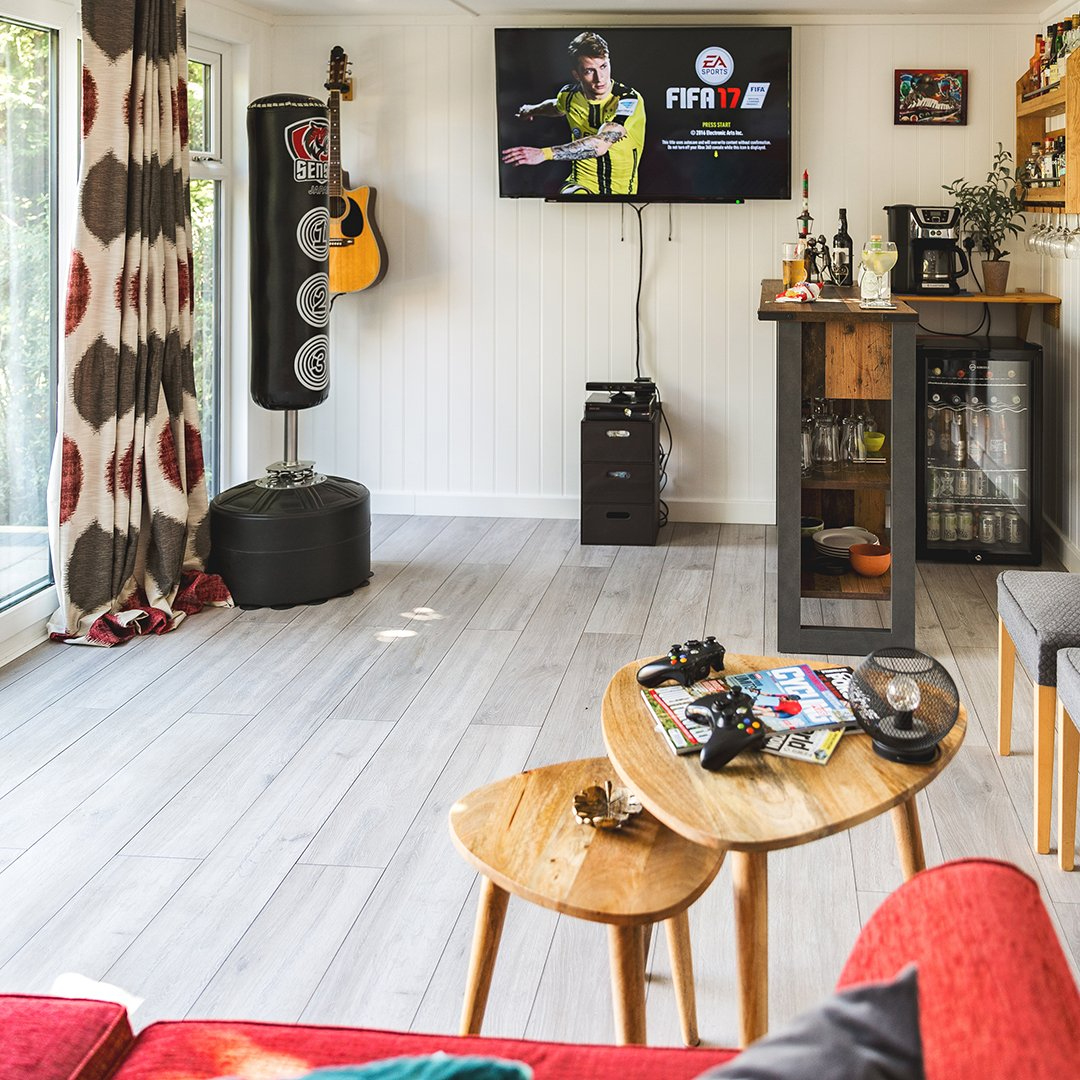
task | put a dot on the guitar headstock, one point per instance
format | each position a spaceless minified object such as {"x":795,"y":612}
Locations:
{"x":339,"y":73}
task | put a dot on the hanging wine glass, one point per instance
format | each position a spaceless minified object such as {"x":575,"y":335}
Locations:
{"x":1056,"y":243}
{"x":1032,"y":236}
{"x":1072,"y":244}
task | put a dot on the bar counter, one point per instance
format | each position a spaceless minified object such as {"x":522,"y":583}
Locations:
{"x":832,"y":348}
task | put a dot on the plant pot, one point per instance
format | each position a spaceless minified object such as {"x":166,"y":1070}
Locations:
{"x":995,"y":276}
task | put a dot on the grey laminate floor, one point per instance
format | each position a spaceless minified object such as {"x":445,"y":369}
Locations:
{"x":247,"y":817}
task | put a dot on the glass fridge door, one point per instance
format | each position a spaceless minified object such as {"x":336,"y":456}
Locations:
{"x":979,"y":476}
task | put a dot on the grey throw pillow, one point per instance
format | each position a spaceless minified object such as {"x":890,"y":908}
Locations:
{"x":865,"y":1033}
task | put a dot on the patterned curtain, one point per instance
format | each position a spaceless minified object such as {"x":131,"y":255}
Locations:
{"x":128,"y":503}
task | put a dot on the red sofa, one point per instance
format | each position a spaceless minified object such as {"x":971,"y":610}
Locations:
{"x":996,"y":999}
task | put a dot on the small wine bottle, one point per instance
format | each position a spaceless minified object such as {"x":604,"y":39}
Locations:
{"x":842,"y":252}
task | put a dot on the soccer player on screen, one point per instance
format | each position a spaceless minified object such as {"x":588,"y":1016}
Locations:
{"x":607,"y":125}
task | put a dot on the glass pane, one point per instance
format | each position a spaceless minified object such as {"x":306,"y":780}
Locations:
{"x":198,"y":93}
{"x":204,"y":215}
{"x":27,"y":307}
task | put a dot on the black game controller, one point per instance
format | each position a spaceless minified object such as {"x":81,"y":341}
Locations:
{"x":734,"y":726}
{"x":686,"y":664}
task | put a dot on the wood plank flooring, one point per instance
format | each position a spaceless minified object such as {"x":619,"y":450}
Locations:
{"x":247,"y":817}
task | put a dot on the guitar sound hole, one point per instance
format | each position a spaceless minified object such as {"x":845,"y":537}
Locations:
{"x":348,"y":213}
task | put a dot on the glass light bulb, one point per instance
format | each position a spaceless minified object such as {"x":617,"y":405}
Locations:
{"x":903,"y":693}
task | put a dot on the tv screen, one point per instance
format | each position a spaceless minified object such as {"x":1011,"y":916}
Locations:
{"x":644,"y":114}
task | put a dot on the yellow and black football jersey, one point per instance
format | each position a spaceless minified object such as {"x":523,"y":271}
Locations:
{"x":616,"y":172}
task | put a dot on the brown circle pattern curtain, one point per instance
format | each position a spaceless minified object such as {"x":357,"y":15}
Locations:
{"x":128,"y":501}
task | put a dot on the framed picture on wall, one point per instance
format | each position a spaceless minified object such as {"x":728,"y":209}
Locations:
{"x":930,"y":96}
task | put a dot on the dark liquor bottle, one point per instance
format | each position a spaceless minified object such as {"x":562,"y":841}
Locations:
{"x":842,"y":251}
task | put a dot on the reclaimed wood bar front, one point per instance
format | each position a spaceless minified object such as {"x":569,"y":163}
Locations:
{"x":834,"y":349}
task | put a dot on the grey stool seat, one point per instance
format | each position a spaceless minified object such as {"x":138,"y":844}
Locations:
{"x":1038,"y":614}
{"x":1068,"y":695}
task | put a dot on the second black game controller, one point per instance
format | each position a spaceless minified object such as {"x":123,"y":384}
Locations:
{"x":735,"y":728}
{"x":687,"y":663}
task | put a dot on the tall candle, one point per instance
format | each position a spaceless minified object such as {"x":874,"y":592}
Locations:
{"x":804,"y":218}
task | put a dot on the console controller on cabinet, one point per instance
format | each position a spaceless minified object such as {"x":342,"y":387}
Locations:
{"x":734,"y":726}
{"x":687,"y":663}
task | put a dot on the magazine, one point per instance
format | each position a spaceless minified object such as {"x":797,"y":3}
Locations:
{"x":814,"y":744}
{"x":796,"y":697}
{"x":668,"y":707}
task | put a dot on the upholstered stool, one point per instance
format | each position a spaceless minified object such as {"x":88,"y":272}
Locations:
{"x":1068,"y":703}
{"x":1038,"y":613}
{"x":521,"y":834}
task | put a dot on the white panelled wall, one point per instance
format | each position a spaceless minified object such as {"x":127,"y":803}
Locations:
{"x":458,"y":382}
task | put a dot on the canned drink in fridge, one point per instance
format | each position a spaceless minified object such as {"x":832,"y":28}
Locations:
{"x":965,"y":525}
{"x":933,"y":524}
{"x":963,"y":483}
{"x":948,"y":523}
{"x":980,"y":484}
{"x":998,"y":481}
{"x":1014,"y":528}
{"x":945,"y":483}
{"x":999,"y":526}
{"x":987,"y":531}
{"x":1012,"y":487}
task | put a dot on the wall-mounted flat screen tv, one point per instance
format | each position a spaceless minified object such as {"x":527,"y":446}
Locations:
{"x":644,"y":113}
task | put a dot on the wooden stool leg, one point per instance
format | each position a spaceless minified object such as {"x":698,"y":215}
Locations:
{"x":1006,"y":673}
{"x":750,"y":880}
{"x":1068,"y":764}
{"x":489,"y":923}
{"x":905,"y":819}
{"x":627,"y":983}
{"x":677,"y":929}
{"x":1045,"y":707}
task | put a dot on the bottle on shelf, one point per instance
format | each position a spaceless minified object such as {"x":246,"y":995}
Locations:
{"x":957,"y":439}
{"x":1034,"y":64}
{"x":842,"y":251}
{"x":999,"y":444}
{"x":976,"y":439}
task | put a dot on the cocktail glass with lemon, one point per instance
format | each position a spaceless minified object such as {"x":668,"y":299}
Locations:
{"x":875,"y":283}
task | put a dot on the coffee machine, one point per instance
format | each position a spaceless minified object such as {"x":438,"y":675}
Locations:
{"x":929,"y":258}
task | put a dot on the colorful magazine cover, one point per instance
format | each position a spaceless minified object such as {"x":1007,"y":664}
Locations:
{"x":795,"y":697}
{"x":814,"y":744}
{"x":668,"y":707}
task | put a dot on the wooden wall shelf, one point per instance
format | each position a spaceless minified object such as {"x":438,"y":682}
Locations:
{"x":1031,"y":117}
{"x":1051,"y":305}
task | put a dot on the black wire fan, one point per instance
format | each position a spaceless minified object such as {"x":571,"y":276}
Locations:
{"x":907,"y":703}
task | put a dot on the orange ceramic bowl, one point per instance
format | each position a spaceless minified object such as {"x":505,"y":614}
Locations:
{"x":870,"y":560}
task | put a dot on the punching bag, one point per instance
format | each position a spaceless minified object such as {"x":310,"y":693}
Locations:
{"x":294,"y":536}
{"x":288,"y":141}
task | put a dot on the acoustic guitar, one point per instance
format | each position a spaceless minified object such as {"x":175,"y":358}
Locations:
{"x":358,"y":257}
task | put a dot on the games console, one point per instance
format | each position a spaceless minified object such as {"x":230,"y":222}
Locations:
{"x":636,"y":400}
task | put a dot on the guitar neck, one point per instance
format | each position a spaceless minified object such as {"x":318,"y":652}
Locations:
{"x":333,"y":172}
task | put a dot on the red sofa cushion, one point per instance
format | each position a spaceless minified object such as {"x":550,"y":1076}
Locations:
{"x":198,"y":1050}
{"x":61,"y":1039}
{"x":996,"y":997}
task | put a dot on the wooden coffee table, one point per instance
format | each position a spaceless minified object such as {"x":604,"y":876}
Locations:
{"x":760,"y":802}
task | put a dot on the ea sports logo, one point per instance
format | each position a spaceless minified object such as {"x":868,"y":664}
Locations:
{"x":714,"y":65}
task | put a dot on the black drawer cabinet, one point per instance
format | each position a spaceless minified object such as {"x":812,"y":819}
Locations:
{"x":620,"y":481}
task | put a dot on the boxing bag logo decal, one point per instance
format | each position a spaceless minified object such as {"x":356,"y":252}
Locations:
{"x":310,"y":363}
{"x":309,"y":145}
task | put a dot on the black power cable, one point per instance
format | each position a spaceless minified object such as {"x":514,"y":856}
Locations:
{"x":664,"y":454}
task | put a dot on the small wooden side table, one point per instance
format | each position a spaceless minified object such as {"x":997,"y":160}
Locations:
{"x":521,"y":834}
{"x":759,"y":803}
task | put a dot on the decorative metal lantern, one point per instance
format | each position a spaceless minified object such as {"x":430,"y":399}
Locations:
{"x":907,"y":703}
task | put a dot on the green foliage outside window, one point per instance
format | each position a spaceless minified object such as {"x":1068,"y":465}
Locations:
{"x":27,"y":308}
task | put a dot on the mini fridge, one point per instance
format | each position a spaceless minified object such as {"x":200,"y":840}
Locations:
{"x":979,"y":483}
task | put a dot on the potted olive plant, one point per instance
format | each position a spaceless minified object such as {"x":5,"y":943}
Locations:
{"x":989,"y":212}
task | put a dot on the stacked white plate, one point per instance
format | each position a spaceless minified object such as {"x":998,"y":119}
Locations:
{"x":834,"y":543}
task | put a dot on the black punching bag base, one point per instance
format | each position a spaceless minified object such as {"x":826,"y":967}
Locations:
{"x":277,"y":546}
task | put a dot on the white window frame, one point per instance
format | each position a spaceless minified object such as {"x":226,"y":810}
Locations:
{"x":22,"y":625}
{"x":213,"y":164}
